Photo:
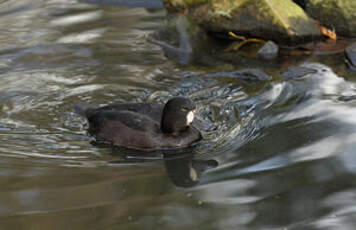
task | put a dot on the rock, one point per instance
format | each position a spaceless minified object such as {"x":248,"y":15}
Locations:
{"x":350,"y":52}
{"x":338,"y":14}
{"x":246,"y":75}
{"x":269,"y":50}
{"x":347,"y":98}
{"x":320,"y":84}
{"x":297,"y":72}
{"x":280,"y":21}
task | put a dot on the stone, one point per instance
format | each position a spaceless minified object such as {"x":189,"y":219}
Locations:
{"x":269,"y":50}
{"x":297,"y":72}
{"x":350,"y":53}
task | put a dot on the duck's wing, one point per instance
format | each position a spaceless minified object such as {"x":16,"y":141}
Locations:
{"x":124,"y":128}
{"x":154,"y":111}
{"x":132,"y":120}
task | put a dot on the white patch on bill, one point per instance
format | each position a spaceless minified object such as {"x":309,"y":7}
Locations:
{"x":190,"y":117}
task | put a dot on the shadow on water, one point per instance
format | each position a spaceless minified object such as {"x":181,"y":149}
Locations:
{"x":278,"y":148}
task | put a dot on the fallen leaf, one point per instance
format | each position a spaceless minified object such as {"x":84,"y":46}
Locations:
{"x":244,"y":41}
{"x":232,"y":34}
{"x":328,"y":33}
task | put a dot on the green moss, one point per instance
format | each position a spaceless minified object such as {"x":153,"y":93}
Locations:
{"x":225,"y":7}
{"x":196,"y":2}
{"x":268,"y":19}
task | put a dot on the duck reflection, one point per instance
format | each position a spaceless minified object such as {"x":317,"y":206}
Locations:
{"x":181,"y":166}
{"x":185,"y":171}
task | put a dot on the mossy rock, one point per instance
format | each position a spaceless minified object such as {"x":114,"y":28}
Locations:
{"x":280,"y":21}
{"x":338,"y":14}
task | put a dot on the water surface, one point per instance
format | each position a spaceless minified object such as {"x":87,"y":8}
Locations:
{"x":284,"y":146}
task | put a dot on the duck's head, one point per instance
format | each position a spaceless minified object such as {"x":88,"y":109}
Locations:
{"x":178,"y":114}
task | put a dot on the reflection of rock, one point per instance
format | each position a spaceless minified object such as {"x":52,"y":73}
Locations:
{"x":338,"y":14}
{"x":177,"y":44}
{"x":350,"y":52}
{"x":281,"y":21}
{"x":180,"y":39}
{"x":184,"y":171}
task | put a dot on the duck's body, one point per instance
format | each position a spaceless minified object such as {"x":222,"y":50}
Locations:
{"x":143,"y":125}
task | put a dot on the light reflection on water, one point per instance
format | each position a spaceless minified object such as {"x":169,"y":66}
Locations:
{"x":285,"y":147}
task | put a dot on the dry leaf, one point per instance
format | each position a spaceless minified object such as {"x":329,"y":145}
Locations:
{"x":237,"y":46}
{"x":328,"y":33}
{"x":232,"y":34}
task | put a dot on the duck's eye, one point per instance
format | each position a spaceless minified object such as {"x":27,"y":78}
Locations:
{"x":184,"y":110}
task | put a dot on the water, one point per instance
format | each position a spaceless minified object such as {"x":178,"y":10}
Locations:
{"x":284,"y":147}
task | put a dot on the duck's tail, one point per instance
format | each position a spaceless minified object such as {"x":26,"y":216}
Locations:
{"x":84,"y":110}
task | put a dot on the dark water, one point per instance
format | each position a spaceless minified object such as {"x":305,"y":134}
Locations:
{"x":285,"y":147}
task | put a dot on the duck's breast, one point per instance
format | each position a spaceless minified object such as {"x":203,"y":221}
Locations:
{"x":182,"y":139}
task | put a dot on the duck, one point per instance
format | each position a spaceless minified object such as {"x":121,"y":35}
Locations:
{"x":143,"y":126}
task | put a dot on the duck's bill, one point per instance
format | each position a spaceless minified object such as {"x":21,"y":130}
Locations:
{"x":190,"y":117}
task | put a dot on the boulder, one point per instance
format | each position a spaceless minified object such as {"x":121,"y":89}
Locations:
{"x":338,"y":14}
{"x":280,"y":21}
{"x":350,"y":53}
{"x":297,"y":72}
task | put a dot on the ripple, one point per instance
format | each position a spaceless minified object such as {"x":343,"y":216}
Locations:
{"x":278,"y":152}
{"x":77,"y":18}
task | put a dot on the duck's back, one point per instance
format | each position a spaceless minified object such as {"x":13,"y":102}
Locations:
{"x":154,"y":111}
